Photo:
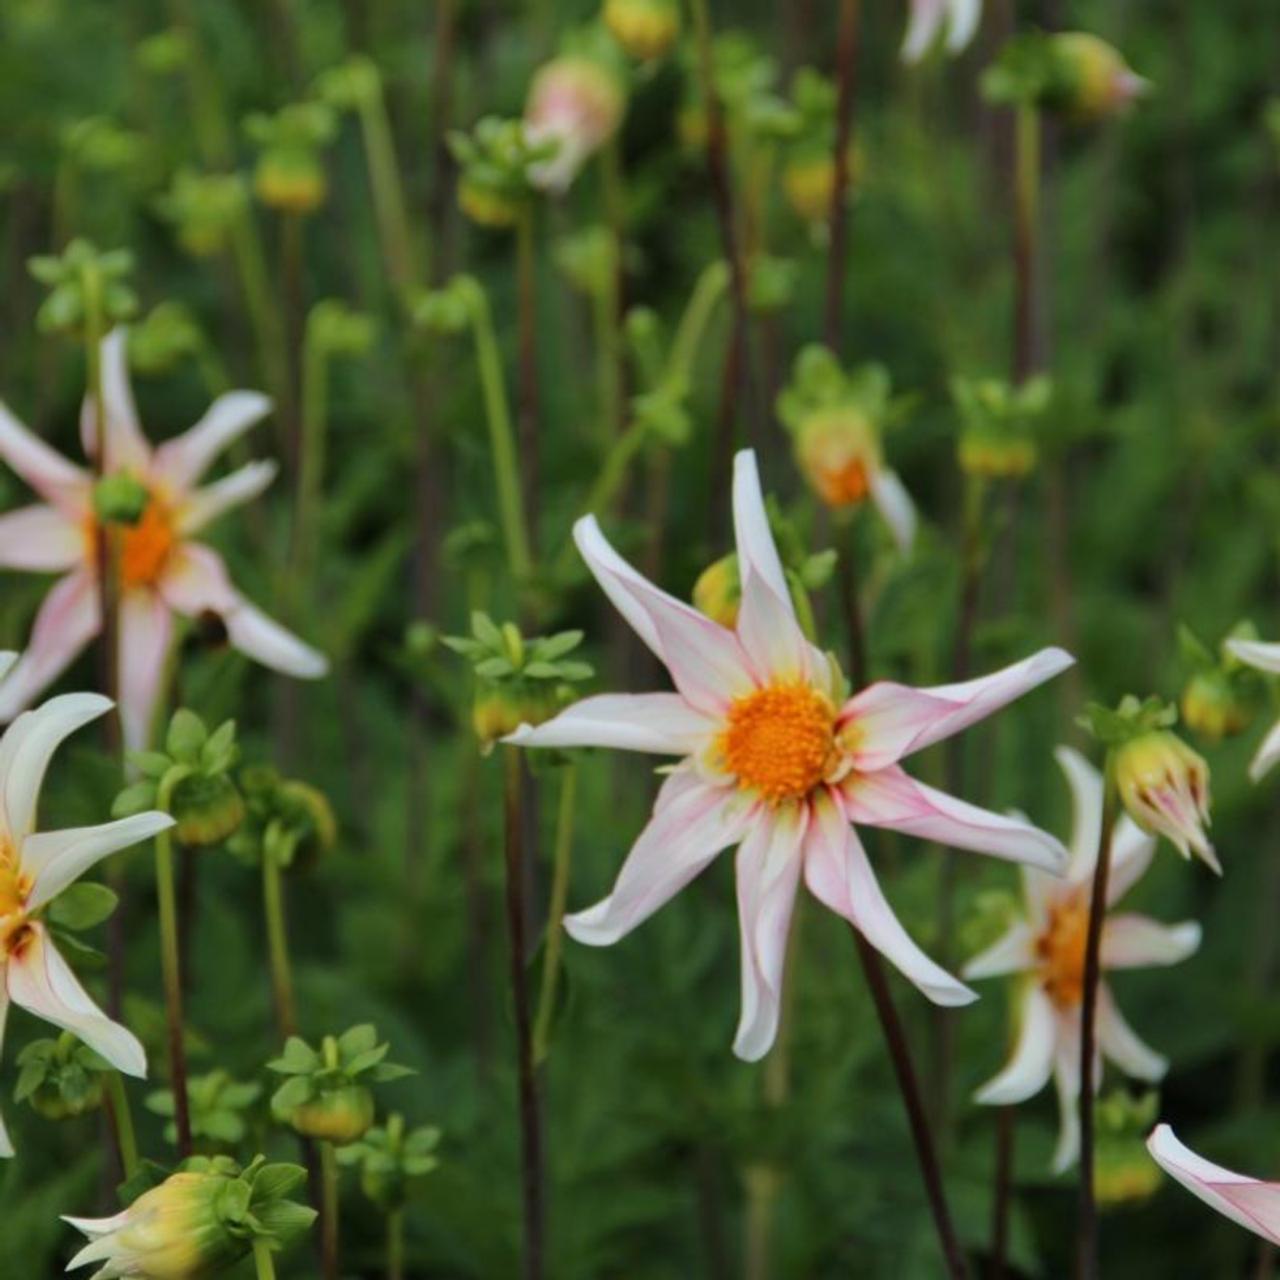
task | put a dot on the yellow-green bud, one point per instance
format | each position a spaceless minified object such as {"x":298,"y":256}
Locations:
{"x":486,"y":205}
{"x":838,"y":453}
{"x":207,"y":809}
{"x":1092,"y":80}
{"x":809,"y":178}
{"x":1212,"y":708}
{"x":120,"y":499}
{"x":718,"y":591}
{"x":646,"y":29}
{"x":339,"y":1116}
{"x":1164,"y":785}
{"x":996,"y":457}
{"x":290,"y":179}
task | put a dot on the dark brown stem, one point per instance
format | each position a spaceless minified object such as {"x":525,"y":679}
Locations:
{"x":1087,"y":1232}
{"x":533,"y":1192}
{"x":913,"y":1103}
{"x":846,"y":80}
{"x":1006,"y":1132}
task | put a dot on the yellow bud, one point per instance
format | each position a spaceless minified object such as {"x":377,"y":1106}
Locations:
{"x":1164,"y":785}
{"x":289,"y":180}
{"x":838,"y":453}
{"x":808,"y":181}
{"x":718,"y":591}
{"x":996,"y":457}
{"x":487,"y":206}
{"x":340,"y":1116}
{"x":646,"y":29}
{"x":1211,"y":708}
{"x":1094,"y":80}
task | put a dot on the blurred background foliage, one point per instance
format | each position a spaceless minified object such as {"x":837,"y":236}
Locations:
{"x":1156,"y":502}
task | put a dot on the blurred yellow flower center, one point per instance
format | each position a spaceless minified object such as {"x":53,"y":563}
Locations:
{"x":1061,"y":948}
{"x":15,"y":888}
{"x":779,"y":741}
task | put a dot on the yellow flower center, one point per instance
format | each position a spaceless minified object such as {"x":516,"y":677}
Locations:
{"x":1061,"y":948}
{"x":144,"y":548}
{"x":15,"y":888}
{"x":779,"y":741}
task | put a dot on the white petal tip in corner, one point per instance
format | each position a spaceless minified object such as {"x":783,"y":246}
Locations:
{"x":588,"y":927}
{"x":7,"y":660}
{"x":950,"y":997}
{"x":750,"y":1052}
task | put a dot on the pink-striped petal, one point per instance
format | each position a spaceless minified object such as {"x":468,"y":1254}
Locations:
{"x":146,"y":634}
{"x":66,"y":622}
{"x":1232,"y":1194}
{"x":1013,"y":952}
{"x":205,"y":505}
{"x":769,"y":863}
{"x":57,"y":859}
{"x":41,"y":540}
{"x":1029,"y":1069}
{"x":126,"y":448}
{"x":26,"y":750}
{"x":1118,"y":1041}
{"x":691,"y":823}
{"x":757,"y":553}
{"x":183,"y":460}
{"x":1132,"y":941}
{"x":890,"y":798}
{"x":662,"y":723}
{"x":41,"y":981}
{"x":55,"y":479}
{"x":888,"y":721}
{"x":705,"y":660}
{"x":840,"y":876}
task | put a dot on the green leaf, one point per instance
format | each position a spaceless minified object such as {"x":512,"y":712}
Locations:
{"x":387,"y":1071}
{"x":83,"y":905}
{"x":187,"y":736}
{"x":357,"y":1040}
{"x":298,"y":1058}
{"x":275,"y":1181}
{"x":137,"y":798}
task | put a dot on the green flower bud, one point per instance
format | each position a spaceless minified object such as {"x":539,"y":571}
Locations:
{"x":718,"y":591}
{"x":120,"y":498}
{"x":646,"y":29}
{"x":1090,"y":80}
{"x":1212,"y":706}
{"x":290,"y":179}
{"x":208,"y":809}
{"x":339,"y":1116}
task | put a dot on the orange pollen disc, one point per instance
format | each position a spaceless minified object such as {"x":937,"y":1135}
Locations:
{"x":145,"y":547}
{"x":1061,"y":948}
{"x":779,"y":741}
{"x":843,"y":486}
{"x":15,"y":888}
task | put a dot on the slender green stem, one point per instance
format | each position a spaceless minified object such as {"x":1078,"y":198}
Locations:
{"x":264,"y":1264}
{"x":264,"y":319}
{"x":609,"y":303}
{"x":707,"y":292}
{"x":1026,"y":236}
{"x":208,"y":112}
{"x":562,"y":858}
{"x":395,"y":1244}
{"x":528,"y":395}
{"x":502,"y":443}
{"x":278,"y":944}
{"x":314,"y":447}
{"x":329,"y":1212}
{"x":387,"y":185}
{"x":171,"y":964}
{"x":122,"y":1123}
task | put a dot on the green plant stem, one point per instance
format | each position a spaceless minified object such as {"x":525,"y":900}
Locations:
{"x":707,"y":292}
{"x":502,"y":444}
{"x":387,"y":185}
{"x":264,"y":1264}
{"x":562,"y":859}
{"x":122,"y":1123}
{"x":395,"y":1244}
{"x":609,"y":304}
{"x":208,"y":112}
{"x":838,"y":218}
{"x":278,"y":944}
{"x":171,"y":964}
{"x":531,"y":1163}
{"x":312,"y":456}
{"x":329,"y":1256}
{"x":528,"y":396}
{"x":264,"y":319}
{"x":1087,"y":1230}
{"x":1027,"y":164}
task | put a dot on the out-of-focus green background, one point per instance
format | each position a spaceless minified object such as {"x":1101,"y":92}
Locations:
{"x":1156,"y":503}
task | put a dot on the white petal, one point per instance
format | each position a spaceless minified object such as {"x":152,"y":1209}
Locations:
{"x":1013,"y":952}
{"x":267,"y":642}
{"x":184,"y":459}
{"x":41,"y":540}
{"x":963,"y":16}
{"x":757,"y":554}
{"x":890,"y":798}
{"x":54,"y":478}
{"x":40,"y":980}
{"x":691,"y":823}
{"x":146,"y":632}
{"x":66,"y":622}
{"x":1267,"y":754}
{"x":1086,"y":787}
{"x":840,"y":876}
{"x":705,"y":660}
{"x":1222,"y":1189}
{"x":894,"y":720}
{"x":1066,"y":1078}
{"x":922,"y":29}
{"x":1138,"y":942}
{"x":126,"y":447}
{"x":1028,"y":1070}
{"x":7,"y":660}
{"x":659,"y":722}
{"x":58,"y":858}
{"x":25,"y":752}
{"x":205,"y":505}
{"x":1131,"y":852}
{"x":6,"y":1147}
{"x":770,"y":635}
{"x":1118,"y":1041}
{"x":768,"y":871}
{"x":895,"y":506}
{"x":1263,"y":655}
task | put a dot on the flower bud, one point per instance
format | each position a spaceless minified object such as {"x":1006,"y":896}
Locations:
{"x":577,"y":103}
{"x":996,"y":456}
{"x":809,"y":178}
{"x":339,"y":1115}
{"x":208,"y":809}
{"x":1164,"y":785}
{"x":646,"y":29}
{"x":838,"y":452}
{"x":485,"y":205}
{"x":290,"y":179}
{"x":1091,"y":79}
{"x":1212,"y":707}
{"x":718,"y":591}
{"x":120,"y":498}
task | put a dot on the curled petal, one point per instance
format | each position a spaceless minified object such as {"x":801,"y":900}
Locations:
{"x":1248,"y":1202}
{"x":1118,"y":1041}
{"x":1085,"y":783}
{"x":207,"y":504}
{"x":887,"y":721}
{"x":895,"y":506}
{"x":67,"y":621}
{"x":266,"y":641}
{"x":54,"y":478}
{"x":691,"y":823}
{"x":41,"y":981}
{"x":1028,"y":1071}
{"x":146,"y":630}
{"x":1256,"y":653}
{"x":770,"y":635}
{"x":1267,"y":754}
{"x":6,"y":1147}
{"x":659,"y":722}
{"x":27,"y":748}
{"x":890,"y":798}
{"x":126,"y":448}
{"x":1131,"y":852}
{"x":922,"y":28}
{"x":964,"y":18}
{"x":184,"y":459}
{"x":757,"y":554}
{"x":768,"y":870}
{"x":840,"y":876}
{"x":1138,"y":942}
{"x":40,"y":540}
{"x":1066,"y":1078}
{"x":56,"y":859}
{"x":1013,"y":952}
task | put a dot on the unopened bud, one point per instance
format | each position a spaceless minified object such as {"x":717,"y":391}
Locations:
{"x":1164,"y":785}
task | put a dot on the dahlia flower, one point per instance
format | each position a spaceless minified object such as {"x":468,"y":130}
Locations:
{"x":776,"y":758}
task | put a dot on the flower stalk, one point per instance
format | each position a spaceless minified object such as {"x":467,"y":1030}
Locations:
{"x":838,"y":220}
{"x":561,"y":861}
{"x":122,"y":1123}
{"x":171,"y":965}
{"x":395,"y":1244}
{"x":329,"y":1212}
{"x":527,"y":401}
{"x":264,"y":1264}
{"x":278,"y":943}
